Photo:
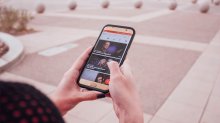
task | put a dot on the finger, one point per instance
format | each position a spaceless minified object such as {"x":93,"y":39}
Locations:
{"x":89,"y":95}
{"x":80,"y":61}
{"x":114,"y":68}
{"x":74,"y":71}
{"x":126,"y":69}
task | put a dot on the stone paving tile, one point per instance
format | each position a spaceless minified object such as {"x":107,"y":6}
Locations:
{"x":109,"y":118}
{"x":159,"y":79}
{"x":213,"y":106}
{"x":112,"y":118}
{"x":138,"y":18}
{"x":179,"y":113}
{"x":182,"y":25}
{"x":173,"y":43}
{"x":216,"y":90}
{"x":72,"y":119}
{"x":157,"y":119}
{"x":195,"y":46}
{"x":210,"y":118}
{"x":81,"y":23}
{"x":212,"y":112}
{"x":92,"y":111}
{"x":189,"y":97}
{"x":51,"y":37}
{"x":215,"y":40}
{"x":196,"y":85}
{"x":157,"y":41}
{"x":204,"y":72}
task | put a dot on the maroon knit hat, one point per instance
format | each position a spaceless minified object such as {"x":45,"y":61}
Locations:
{"x":22,"y":103}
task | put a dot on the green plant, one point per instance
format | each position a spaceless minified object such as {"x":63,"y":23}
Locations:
{"x":13,"y":20}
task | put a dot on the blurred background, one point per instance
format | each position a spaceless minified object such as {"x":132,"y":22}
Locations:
{"x":174,"y":57}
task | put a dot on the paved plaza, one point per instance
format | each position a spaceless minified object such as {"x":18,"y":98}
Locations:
{"x":174,"y":56}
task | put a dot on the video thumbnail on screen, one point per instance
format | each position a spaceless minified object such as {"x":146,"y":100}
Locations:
{"x":99,"y":63}
{"x":102,"y":78}
{"x":109,"y":48}
{"x":95,"y":76}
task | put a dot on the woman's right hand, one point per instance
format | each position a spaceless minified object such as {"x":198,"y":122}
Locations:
{"x":124,"y":94}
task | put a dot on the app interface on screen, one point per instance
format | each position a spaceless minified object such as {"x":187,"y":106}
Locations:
{"x":111,"y":46}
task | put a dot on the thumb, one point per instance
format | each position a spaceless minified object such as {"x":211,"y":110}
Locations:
{"x":89,"y":95}
{"x":114,"y":68}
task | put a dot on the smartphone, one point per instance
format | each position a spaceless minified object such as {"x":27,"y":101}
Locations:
{"x":112,"y":45}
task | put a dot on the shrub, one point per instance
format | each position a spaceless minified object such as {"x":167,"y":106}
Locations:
{"x":13,"y":20}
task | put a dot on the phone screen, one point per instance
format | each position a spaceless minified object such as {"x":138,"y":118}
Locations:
{"x":112,"y":45}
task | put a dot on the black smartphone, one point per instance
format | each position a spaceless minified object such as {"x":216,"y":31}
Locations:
{"x":112,"y":45}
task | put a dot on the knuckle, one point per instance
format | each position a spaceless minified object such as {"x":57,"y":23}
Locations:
{"x":118,"y":77}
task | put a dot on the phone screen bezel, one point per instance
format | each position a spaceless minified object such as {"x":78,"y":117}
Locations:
{"x":122,"y":60}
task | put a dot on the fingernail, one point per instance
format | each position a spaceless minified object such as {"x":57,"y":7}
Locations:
{"x":111,"y":62}
{"x":99,"y":96}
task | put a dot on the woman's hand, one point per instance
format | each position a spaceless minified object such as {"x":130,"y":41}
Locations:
{"x":124,"y":95}
{"x":68,"y":94}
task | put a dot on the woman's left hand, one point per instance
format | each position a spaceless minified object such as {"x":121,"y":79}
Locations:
{"x":68,"y":94}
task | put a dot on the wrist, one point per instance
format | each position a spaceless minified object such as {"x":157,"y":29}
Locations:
{"x":59,"y":104}
{"x":134,"y":115}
